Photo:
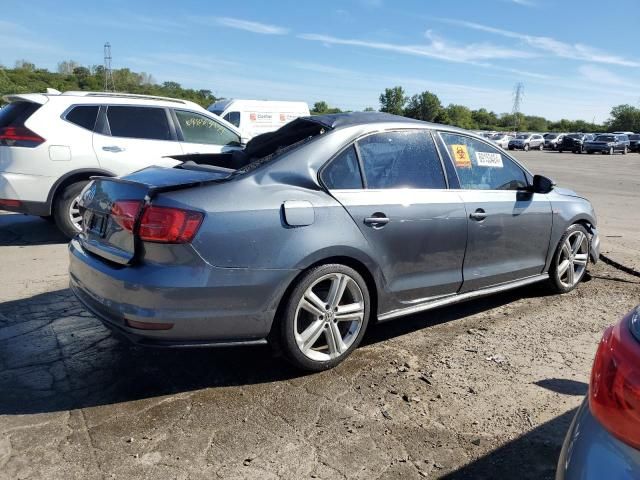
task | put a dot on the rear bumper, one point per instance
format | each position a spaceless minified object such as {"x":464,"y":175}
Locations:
{"x":207,"y":306}
{"x":30,"y":190}
{"x":590,"y":452}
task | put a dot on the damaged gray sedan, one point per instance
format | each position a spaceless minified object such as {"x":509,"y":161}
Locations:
{"x":311,"y":232}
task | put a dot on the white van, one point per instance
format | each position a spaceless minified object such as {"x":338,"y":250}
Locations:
{"x":254,"y":117}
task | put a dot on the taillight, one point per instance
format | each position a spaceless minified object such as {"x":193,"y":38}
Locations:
{"x":19,"y":137}
{"x":614,"y":390}
{"x":169,"y":225}
{"x":158,"y":224}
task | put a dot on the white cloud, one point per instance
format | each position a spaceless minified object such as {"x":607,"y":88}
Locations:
{"x":596,"y":74}
{"x":524,"y":3}
{"x":247,"y":25}
{"x":560,"y":49}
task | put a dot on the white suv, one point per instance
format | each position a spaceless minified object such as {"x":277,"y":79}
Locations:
{"x":51,"y":144}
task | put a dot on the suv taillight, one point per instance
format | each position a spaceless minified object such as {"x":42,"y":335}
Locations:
{"x":614,"y":390}
{"x":19,"y":137}
{"x":158,"y":224}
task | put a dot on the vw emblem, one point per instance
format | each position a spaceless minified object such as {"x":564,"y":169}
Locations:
{"x":89,"y":194}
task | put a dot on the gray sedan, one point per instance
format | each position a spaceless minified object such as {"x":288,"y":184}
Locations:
{"x":313,"y":231}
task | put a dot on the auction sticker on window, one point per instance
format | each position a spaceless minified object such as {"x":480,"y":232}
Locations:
{"x":489,"y":159}
{"x":461,"y":156}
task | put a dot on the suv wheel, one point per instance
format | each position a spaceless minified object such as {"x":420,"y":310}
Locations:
{"x":570,"y":261}
{"x":541,"y":147}
{"x":325,"y":317}
{"x":611,"y":151}
{"x":526,"y":147}
{"x":65,"y":209}
{"x":625,"y":150}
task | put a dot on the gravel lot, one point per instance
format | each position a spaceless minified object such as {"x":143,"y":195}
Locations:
{"x":481,"y":390}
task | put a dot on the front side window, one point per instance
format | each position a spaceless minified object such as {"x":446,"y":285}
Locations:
{"x":197,"y":128}
{"x":233,"y":118}
{"x":405,"y":159}
{"x":83,"y":116}
{"x":139,"y":122}
{"x":482,"y":167}
{"x":343,"y":173}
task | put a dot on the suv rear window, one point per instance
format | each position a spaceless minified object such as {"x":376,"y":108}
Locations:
{"x":139,"y":122}
{"x":16,"y":113}
{"x":84,"y":116}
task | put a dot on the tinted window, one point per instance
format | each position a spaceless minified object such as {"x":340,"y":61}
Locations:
{"x":83,"y":116}
{"x":401,"y":160}
{"x":139,"y":122}
{"x":634,"y":137}
{"x":16,"y":113}
{"x":233,"y":118}
{"x":482,"y":167}
{"x":197,"y":128}
{"x":343,"y":172}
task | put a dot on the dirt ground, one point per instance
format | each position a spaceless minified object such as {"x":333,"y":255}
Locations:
{"x":481,"y":390}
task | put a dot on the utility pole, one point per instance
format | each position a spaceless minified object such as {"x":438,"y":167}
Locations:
{"x":518,"y":93}
{"x":108,"y":74}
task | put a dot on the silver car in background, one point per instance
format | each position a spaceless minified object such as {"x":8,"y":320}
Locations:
{"x":316,"y":230}
{"x":501,"y":139}
{"x":527,"y":141}
{"x":604,"y":438}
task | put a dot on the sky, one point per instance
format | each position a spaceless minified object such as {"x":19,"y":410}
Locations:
{"x":575,"y":58}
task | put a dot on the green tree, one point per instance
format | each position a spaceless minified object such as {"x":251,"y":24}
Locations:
{"x":67,"y":67}
{"x":393,"y":100}
{"x":369,"y":109}
{"x":460,"y":116}
{"x":624,"y":118}
{"x":484,"y":119}
{"x":320,"y":108}
{"x":423,"y":106}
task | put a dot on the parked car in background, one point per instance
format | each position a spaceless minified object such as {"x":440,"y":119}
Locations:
{"x":574,"y":142}
{"x":551,"y":140}
{"x":609,"y":143}
{"x":623,"y":133}
{"x":501,"y":139}
{"x":51,"y":144}
{"x":255,"y":117}
{"x":527,"y":141}
{"x":634,"y":142}
{"x":603,"y":440}
{"x":298,"y":238}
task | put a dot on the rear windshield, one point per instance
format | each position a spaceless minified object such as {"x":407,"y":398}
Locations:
{"x":634,"y":137}
{"x":551,"y":135}
{"x":16,"y":113}
{"x":523,"y":136}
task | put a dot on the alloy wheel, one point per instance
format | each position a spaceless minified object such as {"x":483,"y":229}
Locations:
{"x":74,"y":213}
{"x":573,"y":258}
{"x":329,"y":317}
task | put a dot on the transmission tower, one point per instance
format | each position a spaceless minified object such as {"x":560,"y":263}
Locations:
{"x":109,"y":86}
{"x":518,"y":93}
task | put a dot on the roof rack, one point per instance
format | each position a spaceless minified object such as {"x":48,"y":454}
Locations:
{"x":123,"y":95}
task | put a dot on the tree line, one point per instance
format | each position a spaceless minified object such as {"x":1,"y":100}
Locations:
{"x":25,"y":77}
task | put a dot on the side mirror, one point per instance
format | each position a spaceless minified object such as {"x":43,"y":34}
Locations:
{"x":542,"y":184}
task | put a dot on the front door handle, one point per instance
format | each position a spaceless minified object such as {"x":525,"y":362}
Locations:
{"x":113,"y":148}
{"x":478,"y":215}
{"x":377,"y":220}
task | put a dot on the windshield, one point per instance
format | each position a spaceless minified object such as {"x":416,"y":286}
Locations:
{"x":551,"y":135}
{"x":634,"y":137}
{"x":216,"y":112}
{"x":605,"y":138}
{"x":524,"y":137}
{"x":574,"y":135}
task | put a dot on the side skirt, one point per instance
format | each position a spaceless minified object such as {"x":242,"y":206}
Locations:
{"x":461,"y":297}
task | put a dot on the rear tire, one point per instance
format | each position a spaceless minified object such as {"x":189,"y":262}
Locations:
{"x":313,"y":333}
{"x":569,"y":263}
{"x":611,"y":151}
{"x":624,"y":151}
{"x":541,"y":147}
{"x":65,"y":213}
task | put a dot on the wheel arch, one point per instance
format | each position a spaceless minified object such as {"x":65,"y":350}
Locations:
{"x":72,"y":177}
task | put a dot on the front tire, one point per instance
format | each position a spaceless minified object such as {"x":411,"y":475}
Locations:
{"x":569,"y":263}
{"x":66,"y":213}
{"x":526,"y":147}
{"x":325,"y":317}
{"x":611,"y":151}
{"x":541,"y":147}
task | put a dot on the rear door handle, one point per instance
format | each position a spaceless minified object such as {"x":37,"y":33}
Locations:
{"x":478,"y":215}
{"x":376,"y":220}
{"x":113,"y":148}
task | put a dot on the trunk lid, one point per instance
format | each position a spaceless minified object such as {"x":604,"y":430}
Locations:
{"x":103,"y":233}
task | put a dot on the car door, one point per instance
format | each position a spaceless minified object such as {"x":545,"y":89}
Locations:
{"x":199,"y":133}
{"x":509,"y":228}
{"x":416,"y":227}
{"x":132,"y":137}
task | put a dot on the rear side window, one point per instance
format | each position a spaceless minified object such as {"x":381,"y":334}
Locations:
{"x":481,"y":166}
{"x":139,"y":122}
{"x":197,"y":128}
{"x":233,"y":118}
{"x":16,"y":113}
{"x":343,"y":173}
{"x":406,"y":159}
{"x":84,"y":116}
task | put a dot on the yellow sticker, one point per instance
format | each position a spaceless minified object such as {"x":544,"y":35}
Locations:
{"x":461,"y":156}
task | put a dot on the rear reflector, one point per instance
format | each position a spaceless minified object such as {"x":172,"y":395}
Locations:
{"x":614,"y":390}
{"x":148,"y":325}
{"x":158,"y":224}
{"x":6,"y":202}
{"x":19,"y":137}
